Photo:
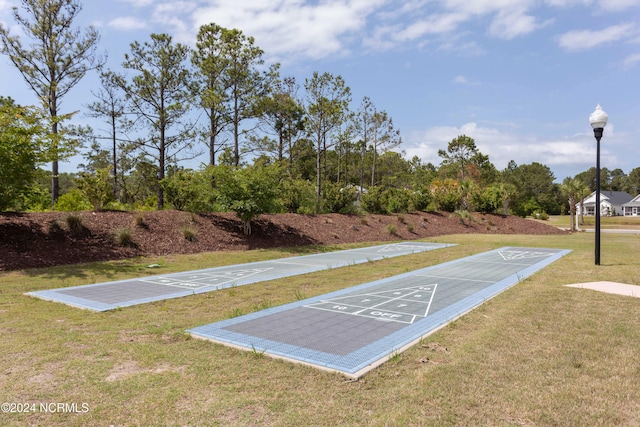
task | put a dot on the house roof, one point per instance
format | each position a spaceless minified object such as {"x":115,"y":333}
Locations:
{"x":613,"y":197}
{"x":634,"y":202}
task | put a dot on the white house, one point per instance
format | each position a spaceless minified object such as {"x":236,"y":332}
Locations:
{"x":610,"y":203}
{"x":632,"y":208}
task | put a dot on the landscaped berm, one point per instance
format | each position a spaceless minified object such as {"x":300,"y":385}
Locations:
{"x":538,"y":354}
{"x":31,"y":240}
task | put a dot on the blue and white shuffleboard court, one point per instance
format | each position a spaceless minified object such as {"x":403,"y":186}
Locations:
{"x":123,"y":293}
{"x":352,"y":331}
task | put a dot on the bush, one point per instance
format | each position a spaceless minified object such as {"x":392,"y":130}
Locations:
{"x":391,"y":229}
{"x":397,"y":200}
{"x":191,"y":191}
{"x":488,"y":200}
{"x":337,"y":199}
{"x":96,"y":188}
{"x":189,"y":233}
{"x":297,"y":196}
{"x":446,"y":194}
{"x":373,"y":201}
{"x":124,"y":237}
{"x":73,"y":201}
{"x":420,"y":201}
{"x":74,"y":222}
{"x":540,"y":215}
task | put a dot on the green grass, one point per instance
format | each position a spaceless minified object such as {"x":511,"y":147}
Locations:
{"x":606,"y":222}
{"x":538,"y":354}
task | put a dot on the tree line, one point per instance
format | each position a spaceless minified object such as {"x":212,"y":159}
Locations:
{"x":273,"y":144}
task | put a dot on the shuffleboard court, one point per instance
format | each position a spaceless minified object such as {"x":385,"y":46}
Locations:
{"x":111,"y":295}
{"x":354,"y":330}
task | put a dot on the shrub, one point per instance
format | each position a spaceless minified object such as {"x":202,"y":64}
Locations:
{"x":96,"y":188}
{"x":140,"y":220}
{"x":337,"y":199}
{"x":373,"y":201}
{"x":189,"y":233}
{"x":124,"y":237}
{"x":391,"y":229}
{"x":420,"y":201}
{"x":446,"y":194}
{"x":73,"y":201}
{"x":540,"y":215}
{"x":397,"y":200}
{"x":74,"y":222}
{"x":463,"y":216}
{"x":297,"y":196}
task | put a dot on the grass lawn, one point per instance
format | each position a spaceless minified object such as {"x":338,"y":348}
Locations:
{"x":538,"y":354}
{"x":606,"y":222}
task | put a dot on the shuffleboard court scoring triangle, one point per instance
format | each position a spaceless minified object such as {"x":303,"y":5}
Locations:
{"x":512,"y":254}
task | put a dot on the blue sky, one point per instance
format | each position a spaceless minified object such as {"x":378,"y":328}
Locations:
{"x":519,"y":76}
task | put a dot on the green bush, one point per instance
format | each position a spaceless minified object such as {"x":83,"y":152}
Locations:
{"x":338,"y":199}
{"x":123,"y":237}
{"x":420,"y":201}
{"x":373,"y":201}
{"x":191,"y":191}
{"x":540,"y":215}
{"x":73,"y":201}
{"x":96,"y":188}
{"x":189,"y":233}
{"x":488,"y":200}
{"x":397,"y":200}
{"x":297,"y":196}
{"x":74,"y":222}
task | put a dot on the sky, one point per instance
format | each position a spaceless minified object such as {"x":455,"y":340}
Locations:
{"x":520,"y":77}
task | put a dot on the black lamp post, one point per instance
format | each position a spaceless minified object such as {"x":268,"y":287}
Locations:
{"x":598,"y":120}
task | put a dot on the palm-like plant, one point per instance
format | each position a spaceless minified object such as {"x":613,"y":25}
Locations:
{"x":572,"y":188}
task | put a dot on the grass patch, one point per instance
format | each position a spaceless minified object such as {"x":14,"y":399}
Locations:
{"x":74,"y":222}
{"x":190,"y":233}
{"x":124,"y":237}
{"x":391,"y":229}
{"x":537,"y":354}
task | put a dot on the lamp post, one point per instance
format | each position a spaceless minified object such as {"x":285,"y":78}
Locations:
{"x":598,"y":120}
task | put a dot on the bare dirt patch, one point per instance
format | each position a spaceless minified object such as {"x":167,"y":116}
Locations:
{"x":32,"y":240}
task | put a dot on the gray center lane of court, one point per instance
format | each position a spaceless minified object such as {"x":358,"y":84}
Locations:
{"x":353,"y":330}
{"x":111,"y":295}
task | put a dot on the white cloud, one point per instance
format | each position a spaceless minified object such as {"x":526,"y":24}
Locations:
{"x":607,"y":5}
{"x":127,"y":23}
{"x":285,"y":27}
{"x":631,"y":60}
{"x":576,"y":153}
{"x":138,"y":3}
{"x":509,"y":24}
{"x":617,"y":5}
{"x":589,"y":39}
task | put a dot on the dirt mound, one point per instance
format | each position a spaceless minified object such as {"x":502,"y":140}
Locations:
{"x":31,"y":240}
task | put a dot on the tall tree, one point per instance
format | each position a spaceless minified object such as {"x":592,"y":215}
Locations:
{"x":281,"y":118}
{"x":57,"y":58}
{"x":535,"y":188}
{"x":384,"y":137}
{"x":328,"y":99}
{"x":363,"y":124}
{"x":462,"y":160}
{"x":228,"y":60}
{"x":212,"y":67}
{"x":160,"y":96}
{"x":20,"y":154}
{"x":110,"y":106}
{"x":571,"y":188}
{"x":633,"y":182}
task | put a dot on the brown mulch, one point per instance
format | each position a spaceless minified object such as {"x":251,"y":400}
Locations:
{"x":31,"y":240}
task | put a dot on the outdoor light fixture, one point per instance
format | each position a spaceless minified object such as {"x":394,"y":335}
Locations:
{"x":598,"y":120}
